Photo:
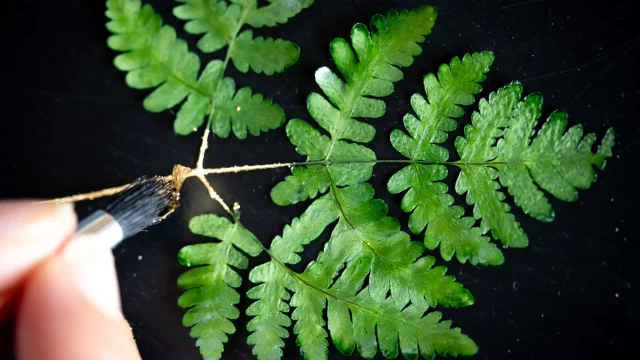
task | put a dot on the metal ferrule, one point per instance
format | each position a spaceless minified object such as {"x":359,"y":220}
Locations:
{"x":102,"y":225}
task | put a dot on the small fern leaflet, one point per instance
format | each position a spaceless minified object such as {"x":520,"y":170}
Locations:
{"x":369,"y":69}
{"x":427,"y":197}
{"x":210,"y":293}
{"x":555,"y":161}
{"x":221,"y":22}
{"x":155,"y":58}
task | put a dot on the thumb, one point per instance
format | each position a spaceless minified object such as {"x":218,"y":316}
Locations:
{"x":71,"y":308}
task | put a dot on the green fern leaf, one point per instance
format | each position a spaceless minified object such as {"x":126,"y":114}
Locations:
{"x":378,"y":287}
{"x":393,"y":264}
{"x":380,"y":53}
{"x":364,"y":231}
{"x":210,"y":293}
{"x":269,"y":322}
{"x":277,"y":12}
{"x":240,"y":111}
{"x":479,"y":182}
{"x":221,"y":22}
{"x":154,"y":57}
{"x":373,"y":324}
{"x":427,"y":197}
{"x":513,"y":148}
{"x":263,"y":55}
{"x":352,"y":163}
{"x":304,"y":182}
{"x":214,"y":18}
{"x":556,"y":161}
{"x":244,"y":111}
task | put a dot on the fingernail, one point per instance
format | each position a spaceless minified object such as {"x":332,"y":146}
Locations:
{"x":29,"y":219}
{"x":92,"y":270}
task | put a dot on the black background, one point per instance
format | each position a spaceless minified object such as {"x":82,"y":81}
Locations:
{"x":71,"y":125}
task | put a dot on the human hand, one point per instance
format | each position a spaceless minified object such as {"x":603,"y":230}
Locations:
{"x":59,"y":298}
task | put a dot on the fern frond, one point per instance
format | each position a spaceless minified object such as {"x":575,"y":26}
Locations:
{"x":365,"y":242}
{"x":427,"y":197}
{"x":221,"y":23}
{"x":155,"y":58}
{"x":210,"y":288}
{"x":369,"y":66}
{"x":556,"y":161}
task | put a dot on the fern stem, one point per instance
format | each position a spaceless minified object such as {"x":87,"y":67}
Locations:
{"x":243,"y":168}
{"x":204,"y":145}
{"x":199,"y":171}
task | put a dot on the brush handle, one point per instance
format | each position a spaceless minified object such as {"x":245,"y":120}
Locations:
{"x":102,"y":225}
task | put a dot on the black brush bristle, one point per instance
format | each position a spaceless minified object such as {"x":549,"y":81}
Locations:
{"x":142,"y":204}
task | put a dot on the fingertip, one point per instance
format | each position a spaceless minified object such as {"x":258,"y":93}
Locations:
{"x":29,"y":218}
{"x":29,"y":233}
{"x":56,"y":320}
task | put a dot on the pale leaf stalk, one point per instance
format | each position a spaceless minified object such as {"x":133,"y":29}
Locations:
{"x":199,"y":170}
{"x":202,"y":172}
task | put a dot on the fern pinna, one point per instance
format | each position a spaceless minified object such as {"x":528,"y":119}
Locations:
{"x":497,"y":150}
{"x":376,"y":285}
{"x":155,"y":57}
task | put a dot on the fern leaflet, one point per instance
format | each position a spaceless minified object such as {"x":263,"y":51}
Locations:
{"x":427,"y":198}
{"x":277,"y":12}
{"x":368,"y":72}
{"x":154,"y":57}
{"x":557,"y":163}
{"x":221,"y":22}
{"x":210,"y":293}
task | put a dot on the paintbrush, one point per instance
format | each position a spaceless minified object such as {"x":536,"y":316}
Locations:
{"x":144,"y":203}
